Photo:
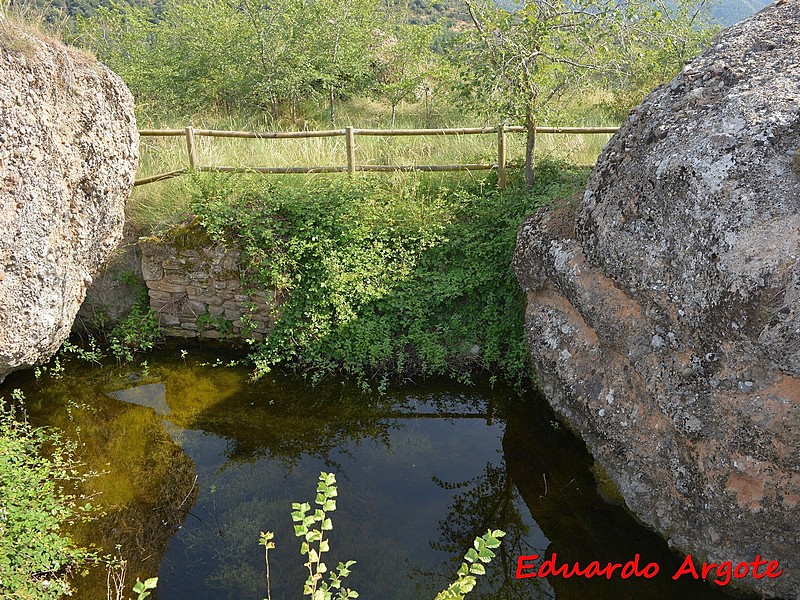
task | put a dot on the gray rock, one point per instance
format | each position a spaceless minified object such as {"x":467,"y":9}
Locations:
{"x":68,"y":158}
{"x":116,"y":285}
{"x":690,"y":225}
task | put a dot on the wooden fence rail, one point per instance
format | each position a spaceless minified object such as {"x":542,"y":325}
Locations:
{"x":349,"y":134}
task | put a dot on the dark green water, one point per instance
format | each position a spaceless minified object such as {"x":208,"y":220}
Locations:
{"x":196,"y":462}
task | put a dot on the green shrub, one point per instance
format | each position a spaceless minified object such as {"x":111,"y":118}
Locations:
{"x":140,"y":331}
{"x":36,"y":556}
{"x":381,"y":280}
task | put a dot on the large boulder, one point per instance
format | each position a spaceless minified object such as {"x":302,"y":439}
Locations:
{"x":663,"y":313}
{"x":68,"y":156}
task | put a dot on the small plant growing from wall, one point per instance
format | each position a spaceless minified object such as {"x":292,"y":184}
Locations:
{"x":140,"y":331}
{"x":217,"y":323}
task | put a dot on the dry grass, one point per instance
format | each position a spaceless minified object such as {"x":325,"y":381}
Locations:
{"x":15,"y":36}
{"x":166,"y":203}
{"x":25,"y":18}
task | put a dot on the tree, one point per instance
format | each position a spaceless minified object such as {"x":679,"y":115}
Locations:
{"x":404,"y":60}
{"x":664,"y":39}
{"x":343,"y":43}
{"x":520,"y":60}
{"x":234,"y":54}
{"x":311,"y":49}
{"x":192,"y":55}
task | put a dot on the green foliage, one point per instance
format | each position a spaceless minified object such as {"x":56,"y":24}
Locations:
{"x":142,"y":588}
{"x":519,"y":62}
{"x":406,"y":64}
{"x":379,"y":280}
{"x":311,"y":527}
{"x":480,"y":554}
{"x":217,"y":323}
{"x":140,"y":331}
{"x":36,"y":556}
{"x":194,"y":54}
{"x":201,"y":53}
{"x":92,"y":353}
{"x":660,"y":39}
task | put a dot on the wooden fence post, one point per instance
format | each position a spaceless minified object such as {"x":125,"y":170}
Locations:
{"x":191,"y":147}
{"x":350,"y":133}
{"x":350,"y":142}
{"x":501,"y":156}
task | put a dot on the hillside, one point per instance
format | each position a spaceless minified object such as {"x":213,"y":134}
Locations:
{"x":724,"y":12}
{"x":728,"y":12}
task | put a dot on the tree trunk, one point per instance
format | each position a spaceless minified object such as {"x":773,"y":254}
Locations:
{"x":332,"y":103}
{"x":394,"y":112}
{"x":530,"y":147}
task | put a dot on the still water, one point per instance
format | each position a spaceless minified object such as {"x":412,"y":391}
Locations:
{"x":193,"y":461}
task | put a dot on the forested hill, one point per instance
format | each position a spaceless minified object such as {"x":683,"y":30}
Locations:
{"x":725,"y":12}
{"x":728,"y":12}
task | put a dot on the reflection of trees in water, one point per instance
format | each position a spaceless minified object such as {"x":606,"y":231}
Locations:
{"x":279,"y":419}
{"x":489,"y":501}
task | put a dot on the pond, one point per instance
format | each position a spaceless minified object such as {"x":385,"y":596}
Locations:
{"x":193,"y":461}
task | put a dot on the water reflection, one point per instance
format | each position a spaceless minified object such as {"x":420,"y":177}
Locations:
{"x":199,"y":461}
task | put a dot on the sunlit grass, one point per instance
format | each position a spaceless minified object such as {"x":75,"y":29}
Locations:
{"x":158,"y":205}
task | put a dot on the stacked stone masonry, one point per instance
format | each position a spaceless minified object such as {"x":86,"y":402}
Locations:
{"x":198,"y":293}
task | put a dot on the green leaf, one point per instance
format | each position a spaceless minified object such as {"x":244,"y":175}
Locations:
{"x":486,"y":555}
{"x":477,"y":569}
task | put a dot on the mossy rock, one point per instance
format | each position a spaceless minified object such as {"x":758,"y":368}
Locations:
{"x":190,"y":235}
{"x":608,"y":490}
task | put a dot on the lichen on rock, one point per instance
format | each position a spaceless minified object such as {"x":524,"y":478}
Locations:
{"x":68,"y":157}
{"x":666,"y":327}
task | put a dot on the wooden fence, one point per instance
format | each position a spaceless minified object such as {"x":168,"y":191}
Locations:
{"x":350,"y":134}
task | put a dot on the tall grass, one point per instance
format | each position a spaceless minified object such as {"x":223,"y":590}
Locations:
{"x":162,"y":204}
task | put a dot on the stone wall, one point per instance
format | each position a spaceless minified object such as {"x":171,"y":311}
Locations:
{"x":196,"y":290}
